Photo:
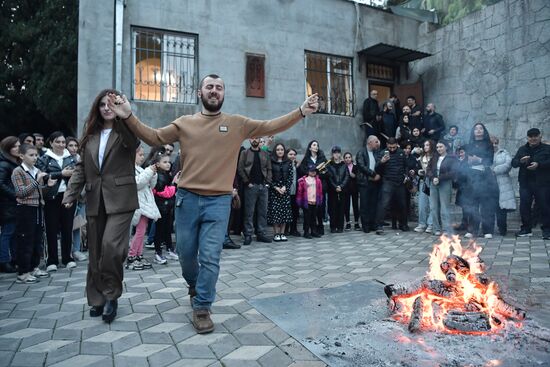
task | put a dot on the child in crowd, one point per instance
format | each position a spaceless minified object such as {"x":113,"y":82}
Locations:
{"x":165,"y":197}
{"x":146,"y":179}
{"x":28,"y":182}
{"x":309,"y":196}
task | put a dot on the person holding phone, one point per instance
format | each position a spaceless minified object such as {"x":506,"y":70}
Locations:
{"x":59,"y":164}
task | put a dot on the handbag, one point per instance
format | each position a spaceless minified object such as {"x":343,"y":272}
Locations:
{"x":426,"y":189}
{"x":236,"y":202}
{"x":79,"y":221}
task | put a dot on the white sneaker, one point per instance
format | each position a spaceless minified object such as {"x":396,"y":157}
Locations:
{"x":428,"y":229}
{"x":437,"y":233}
{"x":488,"y":235}
{"x":51,"y":268}
{"x":283,"y":238}
{"x":26,"y":278}
{"x":149,"y":245}
{"x":277,"y":238}
{"x":71,"y":265}
{"x":39,"y":273}
{"x":80,"y":256}
{"x":172,"y":255}
{"x":160,"y":259}
{"x":419,"y":229}
{"x":468,"y":235}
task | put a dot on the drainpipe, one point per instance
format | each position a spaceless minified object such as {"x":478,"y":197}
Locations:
{"x":119,"y":22}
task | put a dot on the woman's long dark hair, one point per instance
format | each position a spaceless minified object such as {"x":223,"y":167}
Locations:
{"x":320,"y":153}
{"x":486,"y":135}
{"x":5,"y":146}
{"x":94,"y":122}
{"x":274,"y":153}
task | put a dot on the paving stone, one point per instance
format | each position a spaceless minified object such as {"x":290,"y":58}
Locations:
{"x":154,"y":355}
{"x":167,"y":333}
{"x":110,"y":342}
{"x":193,"y":363}
{"x":24,"y":338}
{"x":275,"y":358}
{"x":84,"y":361}
{"x":248,"y":353}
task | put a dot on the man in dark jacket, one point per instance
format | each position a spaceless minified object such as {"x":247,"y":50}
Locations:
{"x":368,"y":182}
{"x":533,"y":160}
{"x":254,"y":167}
{"x":415,"y":119}
{"x":370,"y":110}
{"x":338,"y":178}
{"x":390,"y":121}
{"x":392,"y":166}
{"x":433,"y":123}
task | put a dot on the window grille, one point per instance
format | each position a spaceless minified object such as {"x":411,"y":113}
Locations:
{"x":332,"y":78}
{"x":165,"y":66}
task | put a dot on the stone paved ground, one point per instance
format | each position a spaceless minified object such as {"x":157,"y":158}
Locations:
{"x":48,"y":323}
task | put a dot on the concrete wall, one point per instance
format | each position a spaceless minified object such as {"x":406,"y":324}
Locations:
{"x":492,"y":66}
{"x":281,"y":30}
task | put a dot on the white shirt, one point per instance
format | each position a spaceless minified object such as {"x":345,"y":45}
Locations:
{"x":59,"y":160}
{"x":33,"y":171}
{"x":103,"y":144}
{"x":372,"y":162}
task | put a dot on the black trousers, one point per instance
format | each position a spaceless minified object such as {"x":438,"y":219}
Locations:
{"x":336,"y":201}
{"x":541,"y":195}
{"x":28,"y":234}
{"x":368,"y":205}
{"x":392,"y":191}
{"x":165,"y":225}
{"x":310,"y":217}
{"x":295,"y":215}
{"x":351,"y":197}
{"x":59,"y":219}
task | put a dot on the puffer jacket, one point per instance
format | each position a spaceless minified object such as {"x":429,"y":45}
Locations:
{"x":7,"y":191}
{"x":338,"y":175}
{"x":502,"y":164}
{"x":146,"y":179}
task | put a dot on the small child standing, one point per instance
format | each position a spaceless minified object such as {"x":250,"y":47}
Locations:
{"x":165,"y":198}
{"x":308,"y":197}
{"x":146,"y":179}
{"x":28,"y":182}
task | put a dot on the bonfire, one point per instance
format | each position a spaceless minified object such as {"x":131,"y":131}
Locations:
{"x":455,"y":296}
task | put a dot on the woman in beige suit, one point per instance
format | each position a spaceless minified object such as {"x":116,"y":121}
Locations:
{"x":106,"y":171}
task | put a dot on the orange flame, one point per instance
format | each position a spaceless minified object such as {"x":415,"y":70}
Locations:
{"x":469,"y":290}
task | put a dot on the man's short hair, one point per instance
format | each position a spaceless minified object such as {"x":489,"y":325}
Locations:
{"x":412,"y":97}
{"x":37,"y":135}
{"x":213,"y":76}
{"x":391,"y":141}
{"x":393,"y":95}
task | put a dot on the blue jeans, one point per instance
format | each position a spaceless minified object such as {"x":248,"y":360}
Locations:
{"x":7,"y":242}
{"x":424,"y":213}
{"x":201,"y":225}
{"x":440,"y":200}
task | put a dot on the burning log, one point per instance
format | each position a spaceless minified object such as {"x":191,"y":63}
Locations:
{"x":455,"y":296}
{"x":416,"y":317}
{"x":467,"y":322}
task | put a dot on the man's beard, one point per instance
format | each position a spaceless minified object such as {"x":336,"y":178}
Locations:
{"x":217,"y":106}
{"x":254,"y":144}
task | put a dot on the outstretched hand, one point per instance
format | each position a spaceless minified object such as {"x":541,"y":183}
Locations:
{"x":310,"y":105}
{"x":119,"y":105}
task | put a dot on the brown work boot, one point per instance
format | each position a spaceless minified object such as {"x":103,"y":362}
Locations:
{"x":202,"y":322}
{"x":192,"y":293}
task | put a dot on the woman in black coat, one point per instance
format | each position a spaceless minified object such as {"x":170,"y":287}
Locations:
{"x":59,"y":164}
{"x":9,"y":159}
{"x":482,"y":182}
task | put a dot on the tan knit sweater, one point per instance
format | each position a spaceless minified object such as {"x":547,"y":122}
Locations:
{"x":210,"y":145}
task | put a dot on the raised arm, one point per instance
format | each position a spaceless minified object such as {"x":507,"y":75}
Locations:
{"x":257,"y":128}
{"x":154,"y":137}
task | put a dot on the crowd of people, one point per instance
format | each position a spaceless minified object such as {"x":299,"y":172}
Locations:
{"x":409,"y":167}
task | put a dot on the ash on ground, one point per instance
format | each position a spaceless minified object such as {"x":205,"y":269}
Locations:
{"x":382,"y":341}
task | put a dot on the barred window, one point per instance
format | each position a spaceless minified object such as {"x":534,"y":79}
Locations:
{"x":331,"y":77}
{"x":165,"y":66}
